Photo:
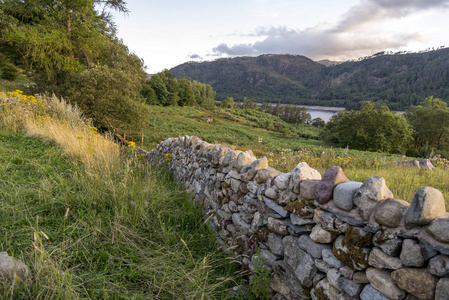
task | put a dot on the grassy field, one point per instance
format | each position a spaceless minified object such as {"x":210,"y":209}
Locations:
{"x":91,"y":220}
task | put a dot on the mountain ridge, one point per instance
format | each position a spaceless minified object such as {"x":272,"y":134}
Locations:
{"x":398,"y":80}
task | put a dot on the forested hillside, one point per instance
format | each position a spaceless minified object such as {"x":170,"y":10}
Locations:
{"x":398,"y":80}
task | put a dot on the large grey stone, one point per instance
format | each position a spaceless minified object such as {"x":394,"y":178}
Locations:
{"x":350,"y":287}
{"x":370,"y":194}
{"x":244,"y":158}
{"x":427,"y":204}
{"x":411,"y":254}
{"x":314,"y":249}
{"x":299,"y":261}
{"x":325,"y":188}
{"x":319,"y":235}
{"x":330,"y":259}
{"x":360,"y":277}
{"x":258,"y":164}
{"x":417,"y":282}
{"x":264,"y":174}
{"x":297,"y":220}
{"x":276,"y":207}
{"x":275,"y":243}
{"x":442,"y":289}
{"x":439,"y":229}
{"x":281,"y":181}
{"x":381,"y":280}
{"x":277,"y":226}
{"x":302,"y":172}
{"x":380,"y":260}
{"x":272,"y":193}
{"x":388,"y":242}
{"x":370,"y":293}
{"x":344,"y":194}
{"x":439,"y":265}
{"x":307,"y":188}
{"x":11,"y":267}
{"x":241,"y":225}
{"x":391,"y":212}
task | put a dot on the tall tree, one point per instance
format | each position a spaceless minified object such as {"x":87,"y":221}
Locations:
{"x":430,"y":122}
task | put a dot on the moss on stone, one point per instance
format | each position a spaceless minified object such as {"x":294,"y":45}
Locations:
{"x":355,"y":257}
{"x":357,"y":237}
{"x":297,"y":206}
{"x":320,"y":295}
{"x":306,"y":291}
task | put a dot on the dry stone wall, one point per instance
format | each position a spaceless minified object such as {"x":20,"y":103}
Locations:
{"x":322,"y":236}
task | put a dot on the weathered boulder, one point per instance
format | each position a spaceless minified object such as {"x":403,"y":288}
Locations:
{"x":325,"y":189}
{"x":302,"y":172}
{"x":370,"y":194}
{"x":442,"y":289}
{"x":424,"y":164}
{"x":427,"y":204}
{"x":354,"y":257}
{"x":344,"y":194}
{"x":314,"y":249}
{"x":300,"y":262}
{"x":411,"y":254}
{"x":307,"y":188}
{"x":275,"y":243}
{"x":370,"y":293}
{"x":381,"y":280}
{"x":322,"y":236}
{"x":230,"y":156}
{"x":439,"y":229}
{"x":263,"y":175}
{"x":417,"y":282}
{"x":277,"y":226}
{"x":11,"y":267}
{"x":281,"y":181}
{"x":391,"y":212}
{"x":380,"y":260}
{"x":258,"y":164}
{"x":244,"y":158}
{"x":388,"y":242}
{"x":439,"y":265}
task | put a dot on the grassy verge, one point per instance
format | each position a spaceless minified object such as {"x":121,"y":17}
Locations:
{"x":92,"y":221}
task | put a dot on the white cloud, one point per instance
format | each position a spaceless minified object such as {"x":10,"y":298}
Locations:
{"x":359,"y":32}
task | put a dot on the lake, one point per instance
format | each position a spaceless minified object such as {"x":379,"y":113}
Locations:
{"x":323,"y":112}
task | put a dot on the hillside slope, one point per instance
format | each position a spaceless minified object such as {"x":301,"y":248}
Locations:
{"x":399,"y":80}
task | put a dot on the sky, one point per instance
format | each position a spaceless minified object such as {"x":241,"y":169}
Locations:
{"x":168,"y":33}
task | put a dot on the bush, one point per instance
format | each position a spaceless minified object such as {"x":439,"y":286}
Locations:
{"x":9,"y":72}
{"x":369,"y":129}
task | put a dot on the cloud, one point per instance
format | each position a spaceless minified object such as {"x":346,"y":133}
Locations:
{"x":356,"y":34}
{"x":195,"y":56}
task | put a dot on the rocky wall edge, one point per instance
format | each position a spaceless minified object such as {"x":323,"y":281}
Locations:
{"x":322,"y":236}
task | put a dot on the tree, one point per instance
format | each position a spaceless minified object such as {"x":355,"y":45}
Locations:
{"x":430,"y":122}
{"x":369,"y":129}
{"x":318,"y":122}
{"x":228,"y":103}
{"x":185,"y":91}
{"x":69,"y":47}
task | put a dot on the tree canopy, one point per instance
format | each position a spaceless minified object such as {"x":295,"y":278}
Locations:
{"x":430,"y":122}
{"x":69,"y":47}
{"x":369,"y":129}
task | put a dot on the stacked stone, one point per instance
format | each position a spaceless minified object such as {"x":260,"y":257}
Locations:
{"x":323,"y":237}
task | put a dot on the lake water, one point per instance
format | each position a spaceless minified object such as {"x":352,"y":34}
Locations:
{"x":323,"y":114}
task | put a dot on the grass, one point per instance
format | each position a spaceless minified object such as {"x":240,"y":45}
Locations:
{"x":94,"y":221}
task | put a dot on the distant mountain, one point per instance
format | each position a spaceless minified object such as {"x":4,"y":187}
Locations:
{"x":398,"y":80}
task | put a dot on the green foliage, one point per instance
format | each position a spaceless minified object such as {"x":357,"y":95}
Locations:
{"x":430,"y":122}
{"x":369,"y":129}
{"x":260,"y":280}
{"x":186,"y":95}
{"x":163,"y":89}
{"x":228,"y":103}
{"x":318,"y":122}
{"x":9,"y":72}
{"x":68,"y":48}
